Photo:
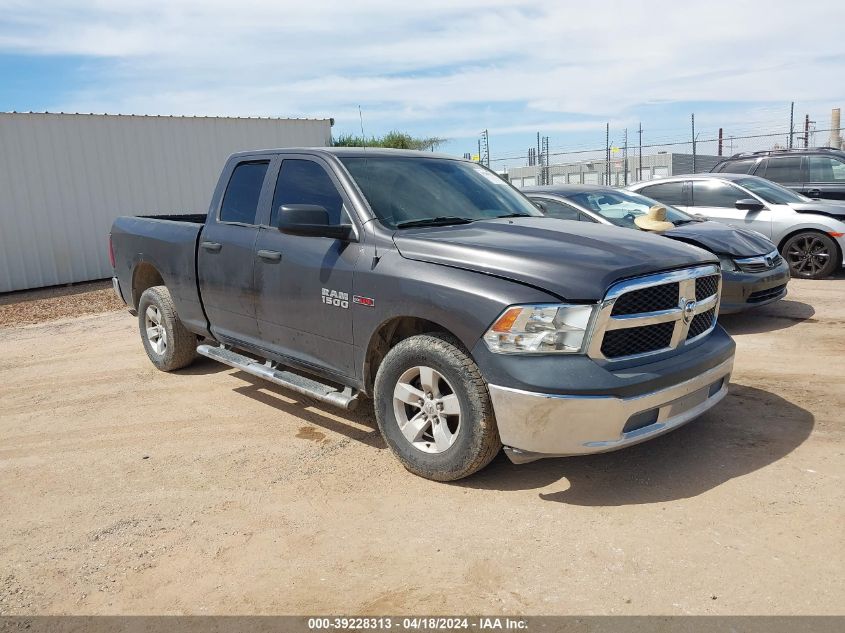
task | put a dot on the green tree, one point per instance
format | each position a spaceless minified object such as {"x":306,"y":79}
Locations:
{"x":393,"y":139}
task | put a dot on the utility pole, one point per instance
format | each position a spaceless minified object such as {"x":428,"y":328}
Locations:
{"x":720,"y":142}
{"x":639,"y":173}
{"x":607,"y":154}
{"x":479,"y":150}
{"x":791,"y":122}
{"x":693,"y":142}
{"x":625,"y":160}
{"x":806,"y":130}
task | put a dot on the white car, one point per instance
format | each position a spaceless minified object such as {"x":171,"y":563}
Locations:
{"x":810,"y":234}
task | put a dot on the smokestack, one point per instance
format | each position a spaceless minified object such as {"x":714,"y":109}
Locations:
{"x":835,"y":137}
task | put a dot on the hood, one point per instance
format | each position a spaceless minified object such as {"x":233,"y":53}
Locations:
{"x":576,"y":261}
{"x":821,"y":207}
{"x":722,"y":239}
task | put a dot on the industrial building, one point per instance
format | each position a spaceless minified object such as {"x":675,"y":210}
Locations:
{"x":65,"y":177}
{"x":594,"y":172}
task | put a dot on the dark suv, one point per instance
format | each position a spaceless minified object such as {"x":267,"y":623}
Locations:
{"x":816,"y":172}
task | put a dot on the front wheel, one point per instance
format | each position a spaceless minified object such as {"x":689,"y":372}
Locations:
{"x":433,"y":408}
{"x":169,"y":345}
{"x":811,"y":255}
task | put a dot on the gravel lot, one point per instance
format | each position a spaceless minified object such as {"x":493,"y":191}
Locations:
{"x":126,"y":491}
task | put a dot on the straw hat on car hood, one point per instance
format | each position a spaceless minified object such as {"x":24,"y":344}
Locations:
{"x":654,"y":220}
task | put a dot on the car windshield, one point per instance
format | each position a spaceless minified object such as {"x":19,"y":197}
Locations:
{"x":408,"y":191}
{"x":771,"y":192}
{"x":622,"y":207}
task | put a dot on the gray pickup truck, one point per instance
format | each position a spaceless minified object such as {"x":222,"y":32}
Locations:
{"x":437,"y":289}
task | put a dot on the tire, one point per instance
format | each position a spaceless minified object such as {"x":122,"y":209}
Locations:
{"x":811,"y":255}
{"x":168,"y":344}
{"x":431,"y":441}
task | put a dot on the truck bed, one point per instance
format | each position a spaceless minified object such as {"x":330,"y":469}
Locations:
{"x":169,"y":245}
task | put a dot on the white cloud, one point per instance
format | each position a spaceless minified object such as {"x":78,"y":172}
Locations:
{"x":448,"y":67}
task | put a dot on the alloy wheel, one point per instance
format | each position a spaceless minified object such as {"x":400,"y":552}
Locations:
{"x":427,"y":409}
{"x":156,"y":334}
{"x":808,"y":255}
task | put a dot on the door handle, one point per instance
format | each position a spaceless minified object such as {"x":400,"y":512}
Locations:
{"x":212,"y":247}
{"x":270,"y":256}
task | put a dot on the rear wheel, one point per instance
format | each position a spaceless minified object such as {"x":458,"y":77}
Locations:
{"x":433,"y":408}
{"x":169,"y":345}
{"x":811,"y":255}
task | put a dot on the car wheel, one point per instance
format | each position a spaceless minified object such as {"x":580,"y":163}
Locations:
{"x":433,"y":408}
{"x":169,"y":345}
{"x":811,"y":255}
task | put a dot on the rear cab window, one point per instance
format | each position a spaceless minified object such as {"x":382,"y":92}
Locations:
{"x":240,"y":202}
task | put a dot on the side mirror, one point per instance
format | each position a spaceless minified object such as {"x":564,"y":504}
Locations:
{"x":541,"y":205}
{"x":312,"y":220}
{"x":749,"y":204}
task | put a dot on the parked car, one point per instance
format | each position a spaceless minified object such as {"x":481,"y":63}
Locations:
{"x":753,"y":272}
{"x":816,"y":172}
{"x":810,"y":234}
{"x":436,"y":288}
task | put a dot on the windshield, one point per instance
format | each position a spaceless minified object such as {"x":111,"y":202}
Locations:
{"x":771,"y":192}
{"x":622,"y":207}
{"x":406,"y":191}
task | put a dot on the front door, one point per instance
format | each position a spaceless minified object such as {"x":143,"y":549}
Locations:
{"x":226,"y":256}
{"x":304,"y":283}
{"x":717,"y":200}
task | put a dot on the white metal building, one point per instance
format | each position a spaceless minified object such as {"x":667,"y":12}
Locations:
{"x":65,"y":177}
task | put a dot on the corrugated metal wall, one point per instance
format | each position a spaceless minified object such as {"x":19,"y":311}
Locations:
{"x":64,"y":178}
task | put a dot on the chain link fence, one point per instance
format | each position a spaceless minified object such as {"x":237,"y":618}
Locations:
{"x":623,"y":164}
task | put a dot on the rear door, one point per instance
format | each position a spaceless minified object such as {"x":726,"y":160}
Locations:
{"x":826,"y":178}
{"x":304,"y":283}
{"x":226,"y":257}
{"x":716,"y":199}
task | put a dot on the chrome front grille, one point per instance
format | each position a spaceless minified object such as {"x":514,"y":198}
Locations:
{"x":657,"y":313}
{"x":759,"y":264}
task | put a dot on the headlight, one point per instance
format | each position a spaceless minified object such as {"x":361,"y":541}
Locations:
{"x":540,"y":329}
{"x":727,"y":263}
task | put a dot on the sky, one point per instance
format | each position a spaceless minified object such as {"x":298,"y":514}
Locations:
{"x":439,"y":68}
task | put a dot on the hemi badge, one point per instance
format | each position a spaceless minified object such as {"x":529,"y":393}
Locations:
{"x":364,"y":301}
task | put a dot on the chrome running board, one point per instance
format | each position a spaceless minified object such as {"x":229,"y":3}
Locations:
{"x":268,"y":370}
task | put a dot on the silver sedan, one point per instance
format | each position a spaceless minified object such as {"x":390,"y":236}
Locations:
{"x":810,"y":234}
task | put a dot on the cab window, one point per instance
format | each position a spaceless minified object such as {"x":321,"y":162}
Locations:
{"x":671,"y":193}
{"x":306,"y":182}
{"x":783,"y":169}
{"x":826,"y":169}
{"x":713,"y":193}
{"x":561,"y":211}
{"x":240,"y":202}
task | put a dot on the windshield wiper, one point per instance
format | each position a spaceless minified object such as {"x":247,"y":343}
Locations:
{"x":516,"y":215}
{"x":441,"y":220}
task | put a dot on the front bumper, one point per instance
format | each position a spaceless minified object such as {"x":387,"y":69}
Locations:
{"x":741,"y":290}
{"x":536,"y":425}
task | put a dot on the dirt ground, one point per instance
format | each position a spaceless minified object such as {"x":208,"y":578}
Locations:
{"x":124,"y":490}
{"x":57,"y":302}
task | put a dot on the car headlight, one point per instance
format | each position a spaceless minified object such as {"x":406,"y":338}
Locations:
{"x":727,"y":263}
{"x":541,"y":329}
